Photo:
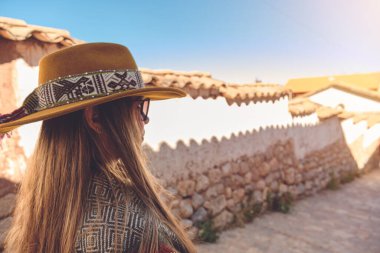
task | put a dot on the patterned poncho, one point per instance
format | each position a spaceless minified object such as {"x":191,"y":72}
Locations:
{"x":96,"y":231}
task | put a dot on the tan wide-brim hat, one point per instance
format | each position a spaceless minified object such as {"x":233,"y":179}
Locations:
{"x":80,"y":76}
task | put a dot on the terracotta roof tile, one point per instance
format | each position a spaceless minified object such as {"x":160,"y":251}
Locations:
{"x":372,"y":118}
{"x":19,"y":30}
{"x":325,"y":112}
{"x":374,"y":95}
{"x":346,"y":115}
{"x":302,"y":107}
{"x":369,"y":81}
{"x":246,"y":93}
{"x":201,"y":84}
{"x":197,"y":84}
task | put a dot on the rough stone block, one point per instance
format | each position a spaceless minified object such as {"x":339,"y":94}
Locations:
{"x":186,"y":188}
{"x":260,"y":185}
{"x":228,"y":192}
{"x":227,"y":169}
{"x":186,"y":223}
{"x":269,"y":179}
{"x":237,"y":181}
{"x":192,"y":233}
{"x":298,"y":178}
{"x":199,"y":215}
{"x":255,"y":175}
{"x":244,"y":168}
{"x":174,"y":203}
{"x":222,"y":220}
{"x":300,"y":189}
{"x":235,"y":167}
{"x":230,"y":204}
{"x":290,"y":176}
{"x":308,"y":185}
{"x":216,"y":205}
{"x":185,"y":208}
{"x":214,"y":191}
{"x":197,"y":200}
{"x":274,"y":164}
{"x":264,"y":169}
{"x":274,"y":186}
{"x":202,"y":183}
{"x":249,"y":188}
{"x":237,"y":195}
{"x":214,"y":175}
{"x":248,"y":178}
{"x":283,"y":188}
{"x":258,"y":196}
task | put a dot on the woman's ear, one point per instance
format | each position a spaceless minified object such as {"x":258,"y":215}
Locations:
{"x":92,"y":118}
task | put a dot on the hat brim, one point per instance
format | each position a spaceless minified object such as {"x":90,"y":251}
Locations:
{"x":154,"y":93}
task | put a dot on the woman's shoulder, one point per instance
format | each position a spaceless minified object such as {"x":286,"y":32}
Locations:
{"x":107,"y":190}
{"x":109,"y":210}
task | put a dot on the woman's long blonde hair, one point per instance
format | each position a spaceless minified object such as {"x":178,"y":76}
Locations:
{"x":52,"y":196}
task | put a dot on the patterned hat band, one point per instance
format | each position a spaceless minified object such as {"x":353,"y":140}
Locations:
{"x":73,"y":88}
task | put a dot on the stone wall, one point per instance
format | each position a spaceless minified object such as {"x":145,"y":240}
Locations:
{"x":217,"y":180}
{"x":224,"y":190}
{"x":171,"y":164}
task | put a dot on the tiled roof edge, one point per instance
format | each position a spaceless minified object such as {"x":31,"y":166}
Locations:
{"x":19,"y":30}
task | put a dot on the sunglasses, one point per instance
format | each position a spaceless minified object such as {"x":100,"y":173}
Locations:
{"x":143,"y":105}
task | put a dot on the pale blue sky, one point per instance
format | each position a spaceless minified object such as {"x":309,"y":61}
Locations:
{"x":235,"y":40}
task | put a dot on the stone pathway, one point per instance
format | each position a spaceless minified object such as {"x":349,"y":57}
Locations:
{"x":343,"y":221}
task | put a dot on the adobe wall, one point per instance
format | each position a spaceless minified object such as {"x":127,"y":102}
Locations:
{"x":18,"y":76}
{"x":187,"y":118}
{"x":363,"y":141}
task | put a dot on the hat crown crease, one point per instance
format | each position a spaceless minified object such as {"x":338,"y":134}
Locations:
{"x":84,"y":58}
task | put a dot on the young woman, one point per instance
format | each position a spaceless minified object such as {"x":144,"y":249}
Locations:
{"x":87,"y":187}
